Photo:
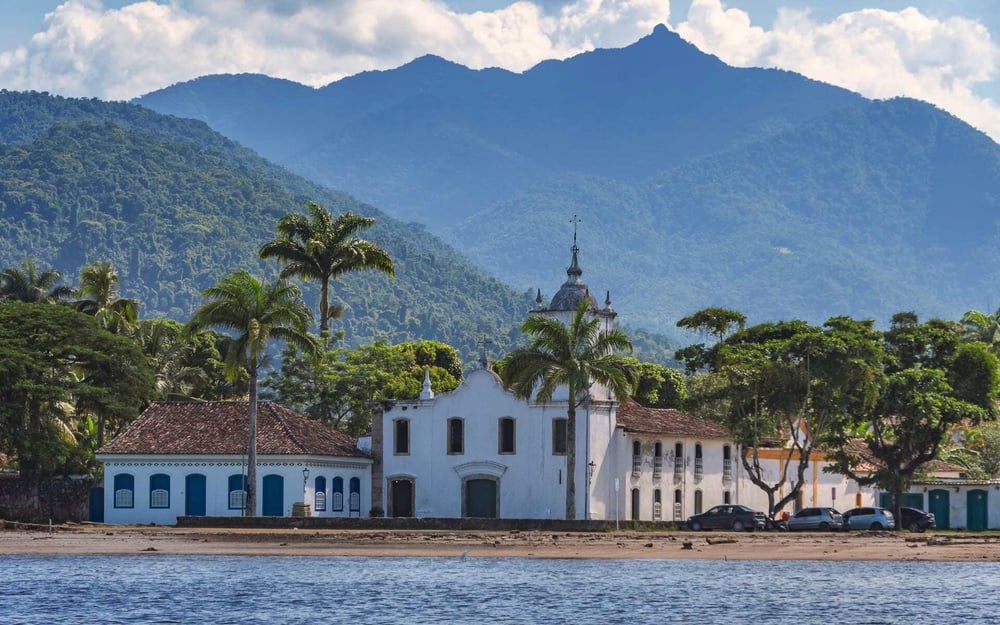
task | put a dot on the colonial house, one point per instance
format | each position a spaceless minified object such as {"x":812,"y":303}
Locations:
{"x":189,"y":459}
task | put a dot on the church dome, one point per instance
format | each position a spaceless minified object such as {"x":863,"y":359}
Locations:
{"x":574,"y":290}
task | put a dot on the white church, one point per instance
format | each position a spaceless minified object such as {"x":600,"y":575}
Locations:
{"x":476,"y":451}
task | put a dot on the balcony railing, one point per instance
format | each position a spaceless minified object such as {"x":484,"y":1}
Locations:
{"x":678,"y":468}
{"x":657,"y":511}
{"x":699,"y":468}
{"x":657,"y":466}
{"x":636,"y":464}
{"x":727,"y":470}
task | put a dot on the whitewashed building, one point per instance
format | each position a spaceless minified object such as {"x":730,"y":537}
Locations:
{"x":189,"y":459}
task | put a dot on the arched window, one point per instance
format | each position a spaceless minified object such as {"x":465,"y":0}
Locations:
{"x":658,"y":450}
{"x":657,"y":505}
{"x":507,"y":437}
{"x":337,"y":494}
{"x":124,"y":491}
{"x":356,"y":495}
{"x":237,"y":492}
{"x":319,"y":494}
{"x":697,"y":502}
{"x":159,"y":490}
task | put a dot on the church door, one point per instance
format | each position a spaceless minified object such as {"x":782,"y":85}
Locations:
{"x":401,"y":497}
{"x":194,"y":495}
{"x":480,"y":498}
{"x":274,"y":495}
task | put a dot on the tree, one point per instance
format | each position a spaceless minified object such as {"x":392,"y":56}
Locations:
{"x":100,"y":297}
{"x":339,"y":387}
{"x":658,"y":386}
{"x":255,"y":312}
{"x":573,"y":356}
{"x":932,"y":383}
{"x":321,"y":247}
{"x":788,"y":386}
{"x":27,"y":285}
{"x":982,"y":327}
{"x":56,"y":367}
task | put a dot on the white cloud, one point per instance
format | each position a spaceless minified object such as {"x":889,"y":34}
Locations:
{"x":877,"y":53}
{"x":88,"y":50}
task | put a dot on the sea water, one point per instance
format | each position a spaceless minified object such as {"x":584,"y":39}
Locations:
{"x":154,"y":588}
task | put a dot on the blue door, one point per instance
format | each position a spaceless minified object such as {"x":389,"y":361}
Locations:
{"x":274,"y":495}
{"x":96,"y":505}
{"x":194,"y":495}
{"x":975,"y":508}
{"x":938,"y":504}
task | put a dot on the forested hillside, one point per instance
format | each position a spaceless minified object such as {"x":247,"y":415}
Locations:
{"x":698,"y":183}
{"x":174,"y":206}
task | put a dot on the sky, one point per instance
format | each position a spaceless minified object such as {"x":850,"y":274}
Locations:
{"x":939,"y":51}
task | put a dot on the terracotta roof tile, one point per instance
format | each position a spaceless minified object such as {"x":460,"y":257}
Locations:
{"x":636,"y":418}
{"x":220,"y":427}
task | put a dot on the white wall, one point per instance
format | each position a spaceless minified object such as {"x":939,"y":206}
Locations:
{"x":217,"y":470}
{"x":532,"y":481}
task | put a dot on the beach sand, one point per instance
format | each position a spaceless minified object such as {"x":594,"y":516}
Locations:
{"x":119,"y":540}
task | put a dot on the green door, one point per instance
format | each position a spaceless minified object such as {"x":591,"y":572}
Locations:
{"x":939,"y":505}
{"x":975,"y":507}
{"x":481,"y":498}
{"x":194,"y":495}
{"x":274,"y":495}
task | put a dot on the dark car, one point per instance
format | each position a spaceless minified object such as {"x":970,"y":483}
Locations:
{"x":915,"y":520}
{"x":727,"y":517}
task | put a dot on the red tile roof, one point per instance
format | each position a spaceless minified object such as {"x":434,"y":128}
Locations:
{"x":636,"y":418}
{"x":220,"y":427}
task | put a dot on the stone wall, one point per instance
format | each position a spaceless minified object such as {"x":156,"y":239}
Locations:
{"x":410,"y":523}
{"x":59,"y":499}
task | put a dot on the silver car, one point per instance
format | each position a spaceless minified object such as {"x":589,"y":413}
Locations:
{"x":823,"y":519}
{"x":869,"y":518}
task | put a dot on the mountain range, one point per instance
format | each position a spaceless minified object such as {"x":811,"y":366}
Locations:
{"x":696,"y":183}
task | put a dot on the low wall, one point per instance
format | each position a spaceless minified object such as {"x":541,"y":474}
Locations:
{"x":383,"y":523}
{"x":59,"y":499}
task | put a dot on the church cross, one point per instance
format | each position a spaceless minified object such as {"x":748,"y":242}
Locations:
{"x":484,"y":342}
{"x":574,"y":221}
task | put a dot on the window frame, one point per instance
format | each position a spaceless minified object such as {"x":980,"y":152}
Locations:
{"x":237,"y":494}
{"x":126,"y":485}
{"x":449,"y":433}
{"x":501,"y":448}
{"x":397,"y":439}
{"x":555,"y":436}
{"x":159,"y":491}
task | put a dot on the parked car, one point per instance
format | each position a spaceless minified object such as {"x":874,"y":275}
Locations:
{"x":727,"y":517}
{"x":824,"y":519}
{"x":869,"y":518}
{"x":915,"y":520}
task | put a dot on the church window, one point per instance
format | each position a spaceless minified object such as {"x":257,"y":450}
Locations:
{"x":456,"y":436}
{"x":124,"y":490}
{"x":559,"y":436}
{"x":356,"y":495}
{"x":159,"y":491}
{"x":337,"y":494}
{"x":401,"y":440}
{"x":237,"y":492}
{"x":320,"y":494}
{"x":507,"y":436}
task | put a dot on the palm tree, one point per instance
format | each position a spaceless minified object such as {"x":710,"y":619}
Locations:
{"x":572,"y":356}
{"x":100,"y":297}
{"x":255,"y":313}
{"x":980,"y":326}
{"x":160,"y":340}
{"x":324,"y":248}
{"x":25,"y":284}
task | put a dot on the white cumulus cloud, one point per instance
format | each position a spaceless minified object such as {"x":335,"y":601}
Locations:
{"x":877,"y":53}
{"x":89,"y":50}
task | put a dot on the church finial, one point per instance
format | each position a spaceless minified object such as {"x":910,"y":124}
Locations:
{"x":538,"y":299}
{"x":574,"y":221}
{"x":426,"y":393}
{"x":607,"y":301}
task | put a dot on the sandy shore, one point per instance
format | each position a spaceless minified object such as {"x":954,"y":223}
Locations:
{"x":118,"y":540}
